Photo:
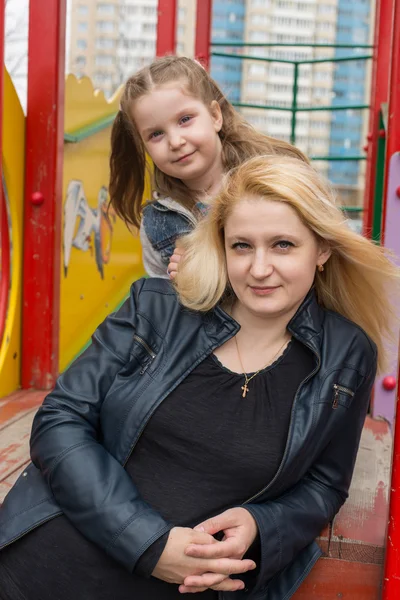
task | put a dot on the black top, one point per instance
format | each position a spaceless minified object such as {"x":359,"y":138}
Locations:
{"x":205,"y":449}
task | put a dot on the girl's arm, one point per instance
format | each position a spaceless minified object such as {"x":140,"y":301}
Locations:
{"x":152,"y":261}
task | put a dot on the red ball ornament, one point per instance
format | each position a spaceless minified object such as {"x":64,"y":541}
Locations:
{"x":37,"y":198}
{"x":389,"y":383}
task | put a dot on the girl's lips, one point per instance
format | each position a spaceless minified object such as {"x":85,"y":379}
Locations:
{"x":182,"y":158}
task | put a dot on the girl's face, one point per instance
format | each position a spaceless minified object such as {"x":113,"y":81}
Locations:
{"x":271,"y":257}
{"x":180,"y":134}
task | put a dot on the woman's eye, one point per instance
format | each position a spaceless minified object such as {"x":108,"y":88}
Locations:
{"x":240,"y":246}
{"x":284,"y":244}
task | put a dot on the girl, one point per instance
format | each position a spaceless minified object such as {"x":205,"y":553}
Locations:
{"x":174,"y":112}
{"x":246,"y":427}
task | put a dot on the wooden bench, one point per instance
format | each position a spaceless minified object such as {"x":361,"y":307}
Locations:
{"x":353,"y":548}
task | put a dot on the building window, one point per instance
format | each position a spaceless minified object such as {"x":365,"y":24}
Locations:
{"x":150,"y":10}
{"x":81,"y":44}
{"x":181,"y":13}
{"x":104,"y":60}
{"x":150,"y":27}
{"x":106,"y":9}
{"x":81,"y":61}
{"x":105,"y":43}
{"x":83,"y":9}
{"x":106,"y":26}
{"x":82,"y":27}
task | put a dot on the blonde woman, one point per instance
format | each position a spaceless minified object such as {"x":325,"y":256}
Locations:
{"x":210,"y":430}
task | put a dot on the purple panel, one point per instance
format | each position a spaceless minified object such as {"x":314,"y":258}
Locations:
{"x":384,"y":403}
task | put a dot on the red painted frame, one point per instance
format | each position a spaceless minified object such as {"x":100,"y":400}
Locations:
{"x":393,"y":126}
{"x":166,"y":27}
{"x":391,"y":582}
{"x":379,"y":94}
{"x":5,"y":270}
{"x":203,"y":32}
{"x":4,"y":233}
{"x":43,"y":179}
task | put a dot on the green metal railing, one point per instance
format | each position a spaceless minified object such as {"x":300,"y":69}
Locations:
{"x":294,"y":109}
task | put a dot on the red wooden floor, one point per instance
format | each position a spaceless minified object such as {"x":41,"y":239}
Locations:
{"x":352,"y":565}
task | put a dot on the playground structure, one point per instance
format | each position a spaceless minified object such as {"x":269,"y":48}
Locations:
{"x":65,"y":263}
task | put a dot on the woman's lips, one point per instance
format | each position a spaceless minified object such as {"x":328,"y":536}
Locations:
{"x":263,"y":291}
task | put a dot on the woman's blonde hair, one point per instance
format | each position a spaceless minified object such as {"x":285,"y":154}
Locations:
{"x":239,"y":139}
{"x":358,"y":276}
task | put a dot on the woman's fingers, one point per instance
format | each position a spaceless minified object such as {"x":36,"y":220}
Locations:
{"x":229,"y":566}
{"x":228,"y":548}
{"x":206,"y":580}
{"x":226,"y":585}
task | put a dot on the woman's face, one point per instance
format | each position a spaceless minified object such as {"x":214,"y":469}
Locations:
{"x":271,"y":257}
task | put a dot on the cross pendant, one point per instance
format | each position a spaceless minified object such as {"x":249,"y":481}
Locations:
{"x":245,"y":390}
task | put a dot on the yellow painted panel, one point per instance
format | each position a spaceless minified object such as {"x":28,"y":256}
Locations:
{"x":100,"y":256}
{"x":13,"y":169}
{"x":84,"y":104}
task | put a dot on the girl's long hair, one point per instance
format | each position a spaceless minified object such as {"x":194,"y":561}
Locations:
{"x":359,"y":278}
{"x":239,"y":139}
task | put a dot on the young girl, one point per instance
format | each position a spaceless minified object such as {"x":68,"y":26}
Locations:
{"x":173,"y":111}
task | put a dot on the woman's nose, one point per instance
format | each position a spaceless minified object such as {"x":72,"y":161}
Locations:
{"x":261,"y":266}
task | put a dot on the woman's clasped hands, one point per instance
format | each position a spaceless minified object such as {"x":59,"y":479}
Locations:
{"x":197,"y":561}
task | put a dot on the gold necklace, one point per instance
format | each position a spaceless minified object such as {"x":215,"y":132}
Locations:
{"x":247,"y":379}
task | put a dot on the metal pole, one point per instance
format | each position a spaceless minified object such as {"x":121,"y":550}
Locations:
{"x":203,"y":32}
{"x":166,"y":27}
{"x":4,"y":233}
{"x":391,"y":586}
{"x":294,"y":103}
{"x":393,"y":124}
{"x":379,"y":94}
{"x":43,"y":193}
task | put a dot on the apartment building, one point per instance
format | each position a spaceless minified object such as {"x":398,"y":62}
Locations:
{"x":112,"y":39}
{"x":271,"y":83}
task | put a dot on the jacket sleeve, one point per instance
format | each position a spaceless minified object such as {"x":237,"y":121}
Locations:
{"x":291,"y":522}
{"x":90,"y":485}
{"x":152,"y":261}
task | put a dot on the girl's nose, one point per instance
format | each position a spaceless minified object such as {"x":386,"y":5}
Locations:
{"x":176,"y":141}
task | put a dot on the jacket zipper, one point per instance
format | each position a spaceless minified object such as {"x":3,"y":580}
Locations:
{"x":338,"y":389}
{"x":290,"y":431}
{"x":149,"y":351}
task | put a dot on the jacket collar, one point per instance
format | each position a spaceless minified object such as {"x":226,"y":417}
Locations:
{"x":305,"y":325}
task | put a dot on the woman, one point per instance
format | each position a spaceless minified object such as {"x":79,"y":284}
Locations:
{"x":229,"y":407}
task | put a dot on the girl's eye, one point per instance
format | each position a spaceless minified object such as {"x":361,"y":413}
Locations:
{"x":155,"y":134}
{"x":240,"y":246}
{"x":185,"y":119}
{"x":284,"y":245}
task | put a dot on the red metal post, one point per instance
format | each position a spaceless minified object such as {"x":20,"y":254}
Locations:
{"x":391,"y":580}
{"x":44,"y":164}
{"x":4,"y":233}
{"x":393,"y":125}
{"x":203,"y":32}
{"x":166,"y":27}
{"x":379,"y":94}
{"x":391,"y":585}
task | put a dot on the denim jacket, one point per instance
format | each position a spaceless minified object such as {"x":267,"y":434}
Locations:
{"x":164,"y":221}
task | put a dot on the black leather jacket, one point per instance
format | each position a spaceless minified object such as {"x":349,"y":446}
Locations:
{"x":89,"y":424}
